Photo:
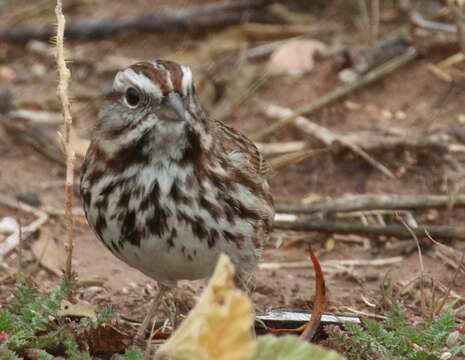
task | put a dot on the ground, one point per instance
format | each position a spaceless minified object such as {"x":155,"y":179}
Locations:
{"x":426,"y":105}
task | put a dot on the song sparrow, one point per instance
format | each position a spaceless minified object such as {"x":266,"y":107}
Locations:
{"x":166,"y":188}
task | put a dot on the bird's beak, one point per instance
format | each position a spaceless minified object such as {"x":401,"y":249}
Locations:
{"x":175,"y":102}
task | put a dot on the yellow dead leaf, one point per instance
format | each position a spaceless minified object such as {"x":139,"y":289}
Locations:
{"x":68,"y":309}
{"x":219,"y":327}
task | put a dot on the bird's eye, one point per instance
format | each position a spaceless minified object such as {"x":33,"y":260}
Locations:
{"x":132,"y":97}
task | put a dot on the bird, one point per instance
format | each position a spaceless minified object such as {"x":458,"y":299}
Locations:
{"x":166,"y":188}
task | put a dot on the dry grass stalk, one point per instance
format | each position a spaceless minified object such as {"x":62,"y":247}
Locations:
{"x":456,"y":7}
{"x":62,"y":89}
{"x":420,"y":259}
{"x":375,"y":20}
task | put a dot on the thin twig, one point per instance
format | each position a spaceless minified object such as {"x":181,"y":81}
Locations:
{"x":332,"y":263}
{"x":341,"y":92}
{"x":420,"y":258}
{"x":447,"y":294}
{"x":362,"y":313}
{"x":419,"y":21}
{"x":281,"y":147}
{"x":64,"y":75}
{"x":20,"y":246}
{"x":293,"y":158}
{"x":457,"y":11}
{"x":375,"y":18}
{"x":365,"y":17}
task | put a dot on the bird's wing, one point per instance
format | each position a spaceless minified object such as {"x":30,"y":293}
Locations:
{"x":234,"y":142}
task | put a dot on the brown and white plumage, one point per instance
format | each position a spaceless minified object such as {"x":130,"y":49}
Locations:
{"x":167,"y":189}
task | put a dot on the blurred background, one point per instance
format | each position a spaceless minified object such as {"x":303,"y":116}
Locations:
{"x":379,"y":85}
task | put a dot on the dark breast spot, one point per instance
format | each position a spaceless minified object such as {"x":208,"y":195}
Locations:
{"x":129,"y":231}
{"x":132,"y":154}
{"x":171,"y":239}
{"x":85,"y":197}
{"x":178,"y":195}
{"x":100,"y":225}
{"x":151,"y":198}
{"x":212,"y":209}
{"x":193,"y":151}
{"x":212,"y":237}
{"x":199,"y":229}
{"x":158,"y":222}
{"x":124,"y":199}
{"x":228,"y":235}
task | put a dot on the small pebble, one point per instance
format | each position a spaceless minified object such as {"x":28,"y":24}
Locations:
{"x":387,"y":115}
{"x":400,"y":115}
{"x":453,"y":339}
{"x":352,"y":105}
{"x":348,"y":76}
{"x":7,"y":74}
{"x":446,"y":356}
{"x":461,"y":119}
{"x":432,"y":214}
{"x":8,"y":225}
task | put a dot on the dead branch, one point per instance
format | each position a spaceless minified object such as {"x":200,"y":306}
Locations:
{"x":339,"y":227}
{"x":281,"y":147}
{"x":366,"y":59}
{"x":325,"y":135}
{"x":371,"y":141}
{"x":351,"y":203}
{"x":419,"y":21}
{"x":12,"y":241}
{"x":41,"y":135}
{"x":340,"y":92}
{"x":430,"y":34}
{"x":191,"y":19}
{"x":457,"y":11}
{"x":420,"y":259}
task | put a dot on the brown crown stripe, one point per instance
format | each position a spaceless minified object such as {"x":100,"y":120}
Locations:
{"x":175,"y":72}
{"x":157,"y":76}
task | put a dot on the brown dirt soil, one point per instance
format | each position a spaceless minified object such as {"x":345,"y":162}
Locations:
{"x":429,"y":105}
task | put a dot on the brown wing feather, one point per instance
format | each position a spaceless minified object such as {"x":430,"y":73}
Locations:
{"x":235,"y":141}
